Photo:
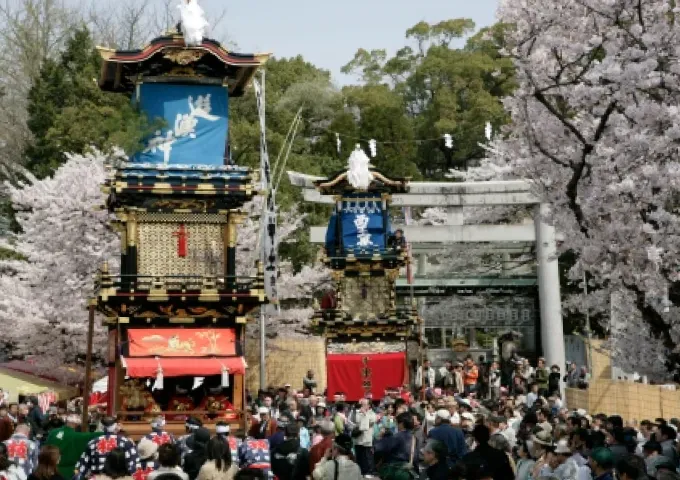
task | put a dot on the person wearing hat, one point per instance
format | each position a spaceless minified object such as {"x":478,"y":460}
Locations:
{"x":541,"y":447}
{"x":147,"y":451}
{"x":198,"y":455}
{"x":71,"y":444}
{"x":566,"y":464}
{"x":336,"y":463}
{"x":452,"y":437}
{"x":158,"y":435}
{"x":601,"y":463}
{"x":223,"y":432}
{"x":191,"y":425}
{"x":93,"y":458}
{"x":265,"y":427}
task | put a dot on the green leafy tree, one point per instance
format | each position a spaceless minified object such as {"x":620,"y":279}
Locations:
{"x":442,"y":89}
{"x":69,"y":113}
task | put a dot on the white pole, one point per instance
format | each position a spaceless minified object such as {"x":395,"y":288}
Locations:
{"x":552,"y":335}
{"x":589,"y":332}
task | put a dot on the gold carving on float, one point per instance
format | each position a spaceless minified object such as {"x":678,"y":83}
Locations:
{"x":182,"y":56}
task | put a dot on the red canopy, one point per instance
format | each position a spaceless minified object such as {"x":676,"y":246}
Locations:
{"x":180,"y":367}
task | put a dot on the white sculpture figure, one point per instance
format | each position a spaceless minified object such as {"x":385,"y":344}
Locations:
{"x":194,"y":24}
{"x":358,"y":173}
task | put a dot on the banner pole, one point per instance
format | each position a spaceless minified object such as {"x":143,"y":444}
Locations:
{"x":263,"y":379}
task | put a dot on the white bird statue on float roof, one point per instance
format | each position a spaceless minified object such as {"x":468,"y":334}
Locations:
{"x":194,"y":23}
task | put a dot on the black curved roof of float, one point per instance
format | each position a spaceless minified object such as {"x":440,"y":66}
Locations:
{"x":167,"y":59}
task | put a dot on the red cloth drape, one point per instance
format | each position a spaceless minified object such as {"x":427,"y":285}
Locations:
{"x":182,"y":367}
{"x":348,"y":372}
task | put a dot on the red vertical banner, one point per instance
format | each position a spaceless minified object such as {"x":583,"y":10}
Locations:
{"x":365,"y":373}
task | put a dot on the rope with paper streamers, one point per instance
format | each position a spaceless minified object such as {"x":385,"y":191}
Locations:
{"x":372,"y":143}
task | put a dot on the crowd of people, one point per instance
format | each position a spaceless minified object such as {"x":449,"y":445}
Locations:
{"x":447,"y":428}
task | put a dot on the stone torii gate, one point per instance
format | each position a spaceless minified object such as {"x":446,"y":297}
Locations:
{"x":454,"y":197}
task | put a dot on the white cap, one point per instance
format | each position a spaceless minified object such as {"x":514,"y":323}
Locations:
{"x":222,"y":429}
{"x":468,"y":416}
{"x":563,"y":447}
{"x":263,"y":410}
{"x":581,"y":412}
{"x":443,"y":414}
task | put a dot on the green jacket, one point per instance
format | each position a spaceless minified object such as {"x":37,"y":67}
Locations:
{"x":71,"y":445}
{"x":542,"y":377}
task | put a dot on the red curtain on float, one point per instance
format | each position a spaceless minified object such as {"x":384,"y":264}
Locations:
{"x":349,"y":373}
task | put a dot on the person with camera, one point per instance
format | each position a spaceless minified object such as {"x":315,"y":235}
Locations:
{"x":337,"y":463}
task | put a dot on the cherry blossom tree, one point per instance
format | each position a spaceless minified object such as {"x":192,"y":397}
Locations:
{"x":65,"y":237}
{"x":596,"y":128}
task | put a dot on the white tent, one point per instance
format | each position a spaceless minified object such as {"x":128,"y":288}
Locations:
{"x":101,"y":385}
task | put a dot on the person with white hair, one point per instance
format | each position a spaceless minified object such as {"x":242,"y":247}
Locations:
{"x":93,"y":458}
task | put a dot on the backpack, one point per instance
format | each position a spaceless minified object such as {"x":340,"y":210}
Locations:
{"x":345,"y":427}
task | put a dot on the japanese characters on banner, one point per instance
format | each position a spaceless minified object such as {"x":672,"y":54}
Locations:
{"x":171,"y":342}
{"x":362,"y":223}
{"x":196,"y":124}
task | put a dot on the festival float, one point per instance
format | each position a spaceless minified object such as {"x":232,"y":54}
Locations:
{"x":176,"y":313}
{"x":366,"y":330}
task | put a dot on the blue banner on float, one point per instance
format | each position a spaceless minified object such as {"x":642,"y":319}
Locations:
{"x":363,"y":225}
{"x":196,"y":119}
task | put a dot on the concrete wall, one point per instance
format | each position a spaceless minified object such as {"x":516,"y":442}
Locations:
{"x":287,"y":361}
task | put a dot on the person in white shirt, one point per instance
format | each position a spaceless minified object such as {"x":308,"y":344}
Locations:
{"x":425,"y":378}
{"x":532,"y":396}
{"x":365,"y":419}
{"x":445,"y":373}
{"x":336,"y":462}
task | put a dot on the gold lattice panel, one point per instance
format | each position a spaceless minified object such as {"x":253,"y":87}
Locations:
{"x":181,"y":218}
{"x":157,"y":248}
{"x":365,"y":297}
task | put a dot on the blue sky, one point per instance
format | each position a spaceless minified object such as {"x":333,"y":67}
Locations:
{"x":328,"y":33}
